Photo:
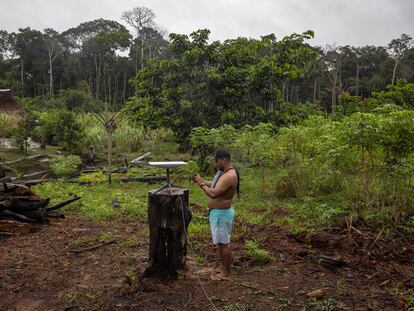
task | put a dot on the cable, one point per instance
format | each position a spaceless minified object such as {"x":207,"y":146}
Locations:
{"x":192,"y":249}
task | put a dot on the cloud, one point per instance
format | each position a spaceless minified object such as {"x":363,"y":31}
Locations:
{"x":353,"y":22}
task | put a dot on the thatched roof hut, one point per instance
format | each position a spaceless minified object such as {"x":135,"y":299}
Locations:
{"x":8,"y":103}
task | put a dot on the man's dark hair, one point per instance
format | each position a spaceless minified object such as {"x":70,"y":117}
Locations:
{"x":238,"y":183}
{"x":222,"y":154}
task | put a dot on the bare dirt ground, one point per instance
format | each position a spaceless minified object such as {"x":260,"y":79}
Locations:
{"x":40,"y":271}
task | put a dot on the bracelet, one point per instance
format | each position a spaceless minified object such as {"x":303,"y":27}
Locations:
{"x":202,"y":184}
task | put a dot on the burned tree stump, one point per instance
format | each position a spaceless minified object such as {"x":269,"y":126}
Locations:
{"x":168,"y":216}
{"x":20,"y":203}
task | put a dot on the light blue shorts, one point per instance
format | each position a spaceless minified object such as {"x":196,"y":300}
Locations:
{"x":221,"y":223}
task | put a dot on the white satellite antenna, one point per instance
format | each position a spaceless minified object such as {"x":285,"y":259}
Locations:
{"x":167,"y":165}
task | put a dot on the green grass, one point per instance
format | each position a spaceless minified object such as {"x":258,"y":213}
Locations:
{"x":96,"y":202}
{"x":236,"y":307}
{"x":199,"y":225}
{"x":328,"y":304}
{"x":64,"y":165}
{"x":405,"y":295}
{"x":257,"y":255}
{"x":258,"y":203}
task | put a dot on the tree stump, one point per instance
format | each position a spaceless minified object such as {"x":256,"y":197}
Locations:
{"x":168,"y":216}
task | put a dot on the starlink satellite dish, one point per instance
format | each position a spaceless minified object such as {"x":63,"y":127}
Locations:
{"x":167,"y":165}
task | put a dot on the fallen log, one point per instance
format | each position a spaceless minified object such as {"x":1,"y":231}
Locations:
{"x":9,"y":214}
{"x":33,"y":182}
{"x":10,"y":226}
{"x":120,"y":170}
{"x":33,"y":174}
{"x":20,"y":203}
{"x":28,"y":183}
{"x":150,"y":179}
{"x":17,"y":190}
{"x":5,"y":180}
{"x":27,"y":206}
{"x":61,"y":204}
{"x":39,"y":215}
{"x":55,"y":214}
{"x":33,"y":157}
{"x":142,"y":159}
{"x":5,"y":169}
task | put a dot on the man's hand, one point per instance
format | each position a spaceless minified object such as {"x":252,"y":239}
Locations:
{"x":198,"y":179}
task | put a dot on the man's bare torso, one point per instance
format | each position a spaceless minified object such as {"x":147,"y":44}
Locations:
{"x":225,"y":200}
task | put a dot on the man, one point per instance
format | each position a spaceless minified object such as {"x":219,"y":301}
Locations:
{"x":221,"y":191}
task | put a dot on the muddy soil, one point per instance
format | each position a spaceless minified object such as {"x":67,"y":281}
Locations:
{"x":41,"y":271}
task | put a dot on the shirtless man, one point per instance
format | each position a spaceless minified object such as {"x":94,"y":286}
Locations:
{"x":221,"y":191}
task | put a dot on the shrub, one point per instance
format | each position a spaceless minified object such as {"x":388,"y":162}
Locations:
{"x":8,"y":124}
{"x":65,"y":165}
{"x":75,"y":99}
{"x":127,"y":137}
{"x":93,"y":177}
{"x":364,"y":160}
{"x":23,"y":131}
{"x":69,"y":131}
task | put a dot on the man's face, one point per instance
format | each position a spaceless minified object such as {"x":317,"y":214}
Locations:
{"x":219,"y":164}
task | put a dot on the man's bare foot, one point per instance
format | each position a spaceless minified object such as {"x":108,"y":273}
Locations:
{"x":221,"y":277}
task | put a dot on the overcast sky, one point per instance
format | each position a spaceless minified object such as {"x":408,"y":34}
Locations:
{"x":353,"y":22}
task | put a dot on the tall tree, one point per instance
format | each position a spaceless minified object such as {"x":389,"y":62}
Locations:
{"x":139,"y":18}
{"x":98,"y":41}
{"x":54,"y":49}
{"x":29,"y":46}
{"x":4,"y":43}
{"x":397,"y":49}
{"x":333,"y":61}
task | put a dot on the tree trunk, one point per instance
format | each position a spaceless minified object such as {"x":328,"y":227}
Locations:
{"x":296,"y":94}
{"x":340,"y":80}
{"x":168,"y":216}
{"x":357,"y":81}
{"x":333,"y":91}
{"x":110,"y":132}
{"x":116,"y":89}
{"x":43,"y":139}
{"x":97,"y":75}
{"x":109,"y":90}
{"x":142,"y":48}
{"x":394,"y":71}
{"x":104,"y":85}
{"x":136,"y":55}
{"x":50,"y":75}
{"x":22,"y":75}
{"x":124,"y":90}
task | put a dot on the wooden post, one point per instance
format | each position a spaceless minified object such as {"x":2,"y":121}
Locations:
{"x":168,"y":216}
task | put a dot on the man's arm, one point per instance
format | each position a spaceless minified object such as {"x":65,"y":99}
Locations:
{"x":222,"y":186}
{"x":199,"y":180}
